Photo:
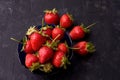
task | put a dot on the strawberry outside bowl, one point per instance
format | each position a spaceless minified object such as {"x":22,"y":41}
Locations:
{"x":22,"y":54}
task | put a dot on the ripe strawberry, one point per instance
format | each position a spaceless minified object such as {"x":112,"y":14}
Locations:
{"x":45,"y":53}
{"x":83,"y":48}
{"x":37,"y":40}
{"x":28,"y":47}
{"x":51,"y":17}
{"x":78,"y":32}
{"x":66,"y":21}
{"x":63,"y":47}
{"x":56,"y":31}
{"x":30,"y":59}
{"x":47,"y":30}
{"x":60,"y":60}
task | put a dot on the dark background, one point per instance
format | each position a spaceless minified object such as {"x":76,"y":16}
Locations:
{"x":17,"y":15}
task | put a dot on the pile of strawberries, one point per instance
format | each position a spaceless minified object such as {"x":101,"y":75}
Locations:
{"x":46,"y":47}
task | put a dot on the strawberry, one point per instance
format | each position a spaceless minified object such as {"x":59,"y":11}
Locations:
{"x":51,"y":17}
{"x":45,"y":53}
{"x":37,"y":40}
{"x":63,"y":47}
{"x":30,"y":59}
{"x":28,"y":47}
{"x":56,"y":31}
{"x":47,"y":30}
{"x":83,"y":48}
{"x":60,"y":59}
{"x":78,"y":32}
{"x":66,"y":21}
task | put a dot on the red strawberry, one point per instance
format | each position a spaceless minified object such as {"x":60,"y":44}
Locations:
{"x":30,"y":59}
{"x":45,"y":53}
{"x":59,"y":59}
{"x":83,"y":48}
{"x":58,"y":31}
{"x":51,"y":16}
{"x":66,"y":21}
{"x":78,"y":32}
{"x":63,"y":47}
{"x":28,"y":47}
{"x":47,"y":30}
{"x":37,"y":40}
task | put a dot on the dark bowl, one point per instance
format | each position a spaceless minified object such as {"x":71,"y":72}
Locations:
{"x":22,"y":54}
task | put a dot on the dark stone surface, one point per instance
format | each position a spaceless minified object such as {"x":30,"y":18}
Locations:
{"x":17,"y":15}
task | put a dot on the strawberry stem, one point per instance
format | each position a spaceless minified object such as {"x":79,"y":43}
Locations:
{"x":73,"y":48}
{"x":54,"y":39}
{"x":42,"y":25}
{"x":16,"y":40}
{"x":42,"y":22}
{"x":90,"y":25}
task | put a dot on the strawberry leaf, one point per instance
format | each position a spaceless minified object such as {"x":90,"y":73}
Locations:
{"x":34,"y":66}
{"x":90,"y":47}
{"x":65,"y":61}
{"x":31,"y":30}
{"x":47,"y":67}
{"x":24,"y":42}
{"x":86,"y":30}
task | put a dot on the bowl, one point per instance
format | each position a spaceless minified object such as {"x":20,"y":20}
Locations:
{"x":22,"y":54}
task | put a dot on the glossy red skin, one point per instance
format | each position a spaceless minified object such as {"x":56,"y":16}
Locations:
{"x":56,"y":31}
{"x":62,"y":47}
{"x":28,"y":47}
{"x":57,"y":58}
{"x":82,"y":48}
{"x":37,"y":40}
{"x":77,"y":33}
{"x":65,"y":21}
{"x":51,"y":18}
{"x":45,"y":53}
{"x":48,"y":31}
{"x":29,"y":59}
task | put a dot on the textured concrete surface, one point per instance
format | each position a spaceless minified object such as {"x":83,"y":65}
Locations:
{"x":17,"y":15}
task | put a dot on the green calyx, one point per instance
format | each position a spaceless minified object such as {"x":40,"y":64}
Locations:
{"x":46,"y":27}
{"x":54,"y":11}
{"x":24,"y":40}
{"x":90,"y":47}
{"x":65,"y":62}
{"x":31,"y":30}
{"x":54,"y":43}
{"x":34,"y":66}
{"x":47,"y":67}
{"x":58,"y":26}
{"x":70,"y":16}
{"x":86,"y":30}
